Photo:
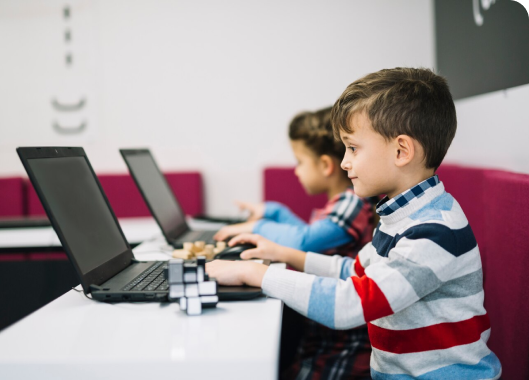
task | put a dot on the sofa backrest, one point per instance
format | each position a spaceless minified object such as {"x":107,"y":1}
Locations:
{"x":11,"y":197}
{"x":126,"y":200}
{"x":496,"y":205}
{"x":282,"y":185}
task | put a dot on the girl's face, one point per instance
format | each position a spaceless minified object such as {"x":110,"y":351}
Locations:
{"x":308,"y":169}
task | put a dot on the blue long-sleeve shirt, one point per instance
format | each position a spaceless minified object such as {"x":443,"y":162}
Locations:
{"x":345,"y":220}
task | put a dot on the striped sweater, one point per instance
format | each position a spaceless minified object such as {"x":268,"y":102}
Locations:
{"x":418,"y":285}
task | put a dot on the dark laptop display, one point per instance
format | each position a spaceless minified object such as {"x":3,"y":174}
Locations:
{"x":85,"y":223}
{"x":89,"y":231}
{"x":160,"y":198}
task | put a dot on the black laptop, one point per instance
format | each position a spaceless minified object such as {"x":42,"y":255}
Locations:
{"x":89,"y":231}
{"x":161,"y":200}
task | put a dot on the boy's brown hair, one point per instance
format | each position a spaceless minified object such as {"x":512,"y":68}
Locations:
{"x":402,"y":101}
{"x":315,"y":130}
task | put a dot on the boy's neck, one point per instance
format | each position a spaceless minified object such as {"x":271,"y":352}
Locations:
{"x":408,"y":181}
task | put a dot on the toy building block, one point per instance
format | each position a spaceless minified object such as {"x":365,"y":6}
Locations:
{"x":176,"y":291}
{"x":190,"y":285}
{"x":190,"y":272}
{"x":207,"y":288}
{"x":201,"y":268}
{"x":199,"y":248}
{"x":182,"y":254}
{"x":175,"y":271}
{"x":191,"y":305}
{"x":209,"y":301}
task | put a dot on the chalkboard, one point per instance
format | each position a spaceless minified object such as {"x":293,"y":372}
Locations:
{"x":482,"y":45}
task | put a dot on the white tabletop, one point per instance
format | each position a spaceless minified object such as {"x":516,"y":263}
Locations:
{"x":74,"y":337}
{"x":136,"y":230}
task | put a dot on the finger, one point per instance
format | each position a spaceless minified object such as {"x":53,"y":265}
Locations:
{"x":221,"y":235}
{"x":254,"y":253}
{"x":243,"y":205}
{"x":244,"y":238}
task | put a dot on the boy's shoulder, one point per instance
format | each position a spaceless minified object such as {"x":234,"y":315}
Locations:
{"x":440,"y":221}
{"x":443,"y":209}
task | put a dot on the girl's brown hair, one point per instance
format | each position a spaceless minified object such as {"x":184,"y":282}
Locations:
{"x":315,"y":130}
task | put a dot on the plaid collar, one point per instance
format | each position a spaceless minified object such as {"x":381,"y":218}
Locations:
{"x":388,"y":206}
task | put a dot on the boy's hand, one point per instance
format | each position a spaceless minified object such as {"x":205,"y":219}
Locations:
{"x":265,"y":249}
{"x":235,"y":273}
{"x":232,"y":230}
{"x":256,"y":210}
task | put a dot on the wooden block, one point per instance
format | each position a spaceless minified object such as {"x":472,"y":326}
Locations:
{"x":182,"y":254}
{"x":221,"y":245}
{"x":188,"y":246}
{"x":200,"y":245}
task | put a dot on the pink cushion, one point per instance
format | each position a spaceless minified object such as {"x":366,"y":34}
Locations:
{"x":466,"y":186}
{"x":126,"y":200}
{"x":282,"y":185}
{"x":506,"y":264}
{"x":11,"y":196}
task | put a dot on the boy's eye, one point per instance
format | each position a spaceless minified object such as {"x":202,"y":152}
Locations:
{"x":353,"y":149}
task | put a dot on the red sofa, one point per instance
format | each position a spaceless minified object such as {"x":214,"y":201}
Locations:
{"x":126,"y":200}
{"x":497,"y":206}
{"x":12,"y":196}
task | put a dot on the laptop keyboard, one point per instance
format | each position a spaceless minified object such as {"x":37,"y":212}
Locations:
{"x":193,"y":236}
{"x":150,"y":279}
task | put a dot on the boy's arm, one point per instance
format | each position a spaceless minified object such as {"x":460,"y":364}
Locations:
{"x":280,"y":213}
{"x":387,"y":287}
{"x":424,"y":258}
{"x":317,"y":237}
{"x":337,"y":266}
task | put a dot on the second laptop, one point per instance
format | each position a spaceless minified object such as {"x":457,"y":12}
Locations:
{"x":161,"y":200}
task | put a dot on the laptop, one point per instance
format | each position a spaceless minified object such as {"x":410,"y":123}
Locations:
{"x":161,"y":200}
{"x":91,"y":236}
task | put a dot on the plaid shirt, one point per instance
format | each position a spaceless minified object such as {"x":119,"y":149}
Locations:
{"x":388,"y":206}
{"x":351,"y":213}
{"x":324,"y":353}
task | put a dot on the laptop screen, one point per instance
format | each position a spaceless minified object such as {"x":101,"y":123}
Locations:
{"x":80,"y":210}
{"x":157,"y":193}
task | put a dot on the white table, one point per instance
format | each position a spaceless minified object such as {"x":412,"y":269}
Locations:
{"x":136,"y":230}
{"x":76,"y":338}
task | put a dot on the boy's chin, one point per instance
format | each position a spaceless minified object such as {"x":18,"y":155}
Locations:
{"x":364,"y":193}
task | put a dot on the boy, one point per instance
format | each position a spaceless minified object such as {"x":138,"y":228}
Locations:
{"x":342,"y":227}
{"x":418,"y":285}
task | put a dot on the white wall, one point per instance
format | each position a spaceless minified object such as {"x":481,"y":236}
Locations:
{"x":208,"y":85}
{"x":493,"y":130}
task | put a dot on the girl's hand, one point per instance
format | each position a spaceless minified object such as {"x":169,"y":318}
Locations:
{"x":234,"y":229}
{"x":256,"y":210}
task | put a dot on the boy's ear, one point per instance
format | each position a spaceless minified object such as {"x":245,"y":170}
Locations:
{"x":404,"y":150}
{"x":327,"y":165}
